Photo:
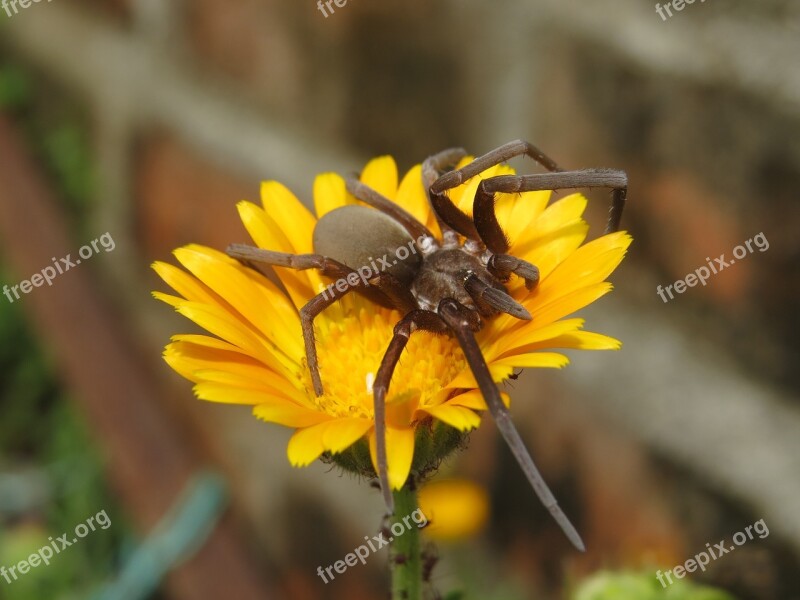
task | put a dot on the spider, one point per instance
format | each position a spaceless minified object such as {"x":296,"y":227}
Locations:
{"x":450,"y":286}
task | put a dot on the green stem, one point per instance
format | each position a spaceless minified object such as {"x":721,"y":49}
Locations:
{"x":406,"y":560}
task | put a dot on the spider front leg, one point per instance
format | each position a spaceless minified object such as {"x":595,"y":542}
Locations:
{"x":459,"y":320}
{"x":416,"y":319}
{"x":328,"y":267}
{"x":502,"y":265}
{"x":448,"y":212}
{"x":445,"y":213}
{"x":483,"y":211}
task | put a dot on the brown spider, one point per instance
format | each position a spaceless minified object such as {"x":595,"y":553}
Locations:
{"x":448,"y":286}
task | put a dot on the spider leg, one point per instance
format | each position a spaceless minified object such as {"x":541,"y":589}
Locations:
{"x":457,"y":318}
{"x":483,"y":211}
{"x":398,"y":294}
{"x":451,"y":220}
{"x":300,"y":262}
{"x":375,"y":199}
{"x":449,"y":211}
{"x":317,"y":304}
{"x":482,"y":292}
{"x":502,"y":265}
{"x":416,"y":319}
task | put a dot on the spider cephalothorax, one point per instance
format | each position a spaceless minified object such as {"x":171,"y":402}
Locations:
{"x":448,"y":285}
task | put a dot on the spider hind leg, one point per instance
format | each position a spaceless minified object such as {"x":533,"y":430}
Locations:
{"x":457,"y":318}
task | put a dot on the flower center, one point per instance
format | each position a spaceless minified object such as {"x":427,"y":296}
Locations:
{"x":352,"y":338}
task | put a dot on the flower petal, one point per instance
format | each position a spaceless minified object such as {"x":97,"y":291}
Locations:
{"x":329,"y":193}
{"x":268,"y":234}
{"x":294,"y":219}
{"x":542,"y":360}
{"x":343,"y":433}
{"x":306,"y":445}
{"x":456,"y":416}
{"x":399,"y":454}
{"x":412,"y":197}
{"x":571,"y":303}
{"x":474,"y":399}
{"x":289,"y":415}
{"x":188,"y":287}
{"x":381,"y":175}
{"x":249,"y":294}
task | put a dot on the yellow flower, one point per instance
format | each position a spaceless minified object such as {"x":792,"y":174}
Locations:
{"x":254,"y":354}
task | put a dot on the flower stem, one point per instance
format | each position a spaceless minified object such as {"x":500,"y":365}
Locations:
{"x":406,"y":561}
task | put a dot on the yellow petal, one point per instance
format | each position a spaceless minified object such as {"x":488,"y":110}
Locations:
{"x":589,"y":264}
{"x":466,"y":379}
{"x":296,"y":221}
{"x":224,"y":325}
{"x":188,"y":287}
{"x":456,"y":416}
{"x":544,"y":360}
{"x":266,"y":233}
{"x":508,"y":339}
{"x":586,"y":340}
{"x":343,"y":433}
{"x":196,"y":362}
{"x":412,"y":197}
{"x":575,"y":301}
{"x":226,"y":394}
{"x":381,"y":175}
{"x":578,"y":340}
{"x":399,"y":454}
{"x":527,"y":208}
{"x":329,"y":193}
{"x":289,"y":415}
{"x":173,"y":301}
{"x":249,"y":294}
{"x":474,"y":399}
{"x":306,"y":445}
{"x":549,"y":249}
{"x":564,"y":210}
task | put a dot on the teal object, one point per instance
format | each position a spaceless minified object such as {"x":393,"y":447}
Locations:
{"x":179,"y":534}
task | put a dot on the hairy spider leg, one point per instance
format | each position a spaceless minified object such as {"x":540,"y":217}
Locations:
{"x":432,"y":168}
{"x":483,"y":211}
{"x":413,"y":321}
{"x":459,"y":320}
{"x":317,"y":304}
{"x":398,"y":296}
{"x":449,"y":212}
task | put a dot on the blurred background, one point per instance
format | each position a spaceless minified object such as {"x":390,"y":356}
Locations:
{"x":149,"y":120}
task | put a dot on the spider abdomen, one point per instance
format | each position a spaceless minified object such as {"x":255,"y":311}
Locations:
{"x":368,"y":241}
